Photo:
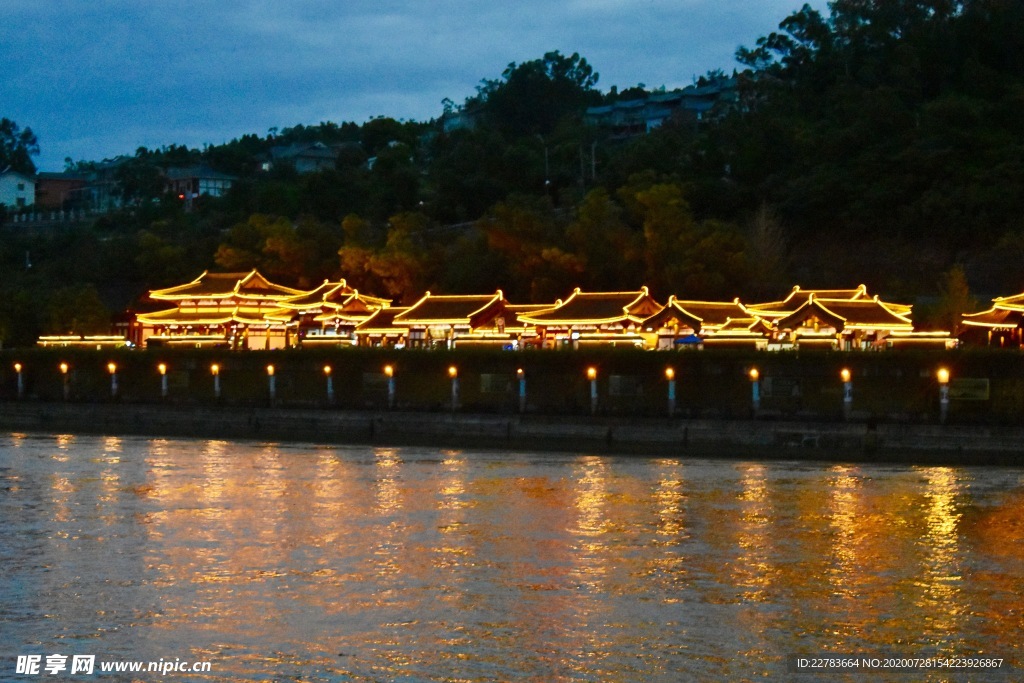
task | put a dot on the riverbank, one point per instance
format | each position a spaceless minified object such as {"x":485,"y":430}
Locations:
{"x":909,"y":443}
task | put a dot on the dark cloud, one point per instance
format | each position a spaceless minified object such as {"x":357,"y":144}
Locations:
{"x":101,"y":78}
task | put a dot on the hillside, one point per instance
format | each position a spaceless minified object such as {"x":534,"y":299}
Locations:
{"x":880,"y":144}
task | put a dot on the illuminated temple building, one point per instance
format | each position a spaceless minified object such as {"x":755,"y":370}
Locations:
{"x":587,"y":318}
{"x":696,"y":323}
{"x":220,"y":309}
{"x":448,"y":321}
{"x":246,"y":311}
{"x":999,"y":325}
{"x":327,"y":315}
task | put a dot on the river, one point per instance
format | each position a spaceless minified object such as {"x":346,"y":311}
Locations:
{"x":301,"y":562}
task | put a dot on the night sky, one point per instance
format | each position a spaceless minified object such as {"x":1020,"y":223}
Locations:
{"x":98,"y":79}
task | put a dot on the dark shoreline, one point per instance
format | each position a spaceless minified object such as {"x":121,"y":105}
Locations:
{"x":763,"y":439}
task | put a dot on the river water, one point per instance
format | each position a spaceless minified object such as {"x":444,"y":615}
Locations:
{"x":301,"y":562}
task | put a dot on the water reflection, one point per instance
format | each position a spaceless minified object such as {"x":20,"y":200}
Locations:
{"x":319,"y":563}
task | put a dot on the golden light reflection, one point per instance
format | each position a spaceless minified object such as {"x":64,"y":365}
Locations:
{"x":64,"y":444}
{"x":592,"y":523}
{"x":754,"y":570}
{"x":844,"y":520}
{"x":942,"y":580}
{"x":669,"y":497}
{"x":389,"y":495}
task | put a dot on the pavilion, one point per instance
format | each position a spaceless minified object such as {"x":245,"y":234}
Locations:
{"x":327,"y":315}
{"x":999,"y":325}
{"x":220,"y":309}
{"x":589,"y":318}
{"x":689,"y":323}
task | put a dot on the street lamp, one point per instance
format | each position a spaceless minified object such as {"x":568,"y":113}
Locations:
{"x":592,"y":376}
{"x":271,"y":383}
{"x":845,"y":375}
{"x":943,"y":376}
{"x":215,"y":371}
{"x":162,"y":369}
{"x":330,"y":384}
{"x":389,"y":372}
{"x":453,"y":372}
{"x":755,"y":389}
{"x":21,"y":380}
{"x":670,"y":375}
{"x":112,"y":368}
{"x":67,"y":381}
{"x":521,"y":376}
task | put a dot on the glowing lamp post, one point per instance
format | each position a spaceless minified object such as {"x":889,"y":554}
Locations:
{"x":943,"y":377}
{"x":755,"y":389}
{"x":21,"y":380}
{"x":670,"y":375}
{"x":389,"y":372}
{"x":844,"y":374}
{"x":592,"y":376}
{"x":67,"y":380}
{"x":112,"y":369}
{"x":215,"y":371}
{"x":453,"y":372}
{"x":330,"y":384}
{"x":521,"y":376}
{"x":162,"y":369}
{"x":271,"y":383}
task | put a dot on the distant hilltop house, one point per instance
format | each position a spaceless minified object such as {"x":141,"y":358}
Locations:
{"x":17,"y":190}
{"x":695,"y":103}
{"x":98,"y":189}
{"x":196,"y":181}
{"x":309,"y":157}
{"x":59,"y":191}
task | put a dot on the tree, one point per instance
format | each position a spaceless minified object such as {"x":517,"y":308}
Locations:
{"x":17,"y":147}
{"x":954,"y":300}
{"x":404,"y":266}
{"x":532,"y":97}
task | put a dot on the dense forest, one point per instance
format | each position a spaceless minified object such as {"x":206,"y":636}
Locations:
{"x":879,"y":144}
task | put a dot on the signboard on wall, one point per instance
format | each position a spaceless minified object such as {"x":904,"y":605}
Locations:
{"x":969,"y":389}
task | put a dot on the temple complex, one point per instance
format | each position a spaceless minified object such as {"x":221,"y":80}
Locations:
{"x":247,"y":311}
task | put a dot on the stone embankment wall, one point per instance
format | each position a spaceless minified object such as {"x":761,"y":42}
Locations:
{"x":925,"y":444}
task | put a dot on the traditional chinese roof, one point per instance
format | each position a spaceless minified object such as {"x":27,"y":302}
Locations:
{"x":742,"y":327}
{"x":246,"y":315}
{"x":383,"y":322}
{"x":226,"y":286}
{"x":996,"y":318}
{"x":844,"y":314}
{"x":332,"y":294}
{"x":700,"y":315}
{"x":1006,"y":313}
{"x":798,"y":297}
{"x":596,"y":308}
{"x":450,"y":309}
